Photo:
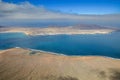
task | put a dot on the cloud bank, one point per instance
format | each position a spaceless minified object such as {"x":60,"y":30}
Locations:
{"x":25,"y":10}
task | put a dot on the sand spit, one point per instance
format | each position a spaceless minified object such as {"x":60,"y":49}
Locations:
{"x":24,"y":64}
{"x":56,"y":30}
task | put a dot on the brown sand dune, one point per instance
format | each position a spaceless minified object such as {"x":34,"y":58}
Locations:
{"x":24,"y":64}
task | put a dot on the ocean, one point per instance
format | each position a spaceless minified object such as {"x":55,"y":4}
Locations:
{"x":83,"y":45}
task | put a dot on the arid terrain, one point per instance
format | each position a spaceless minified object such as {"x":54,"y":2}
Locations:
{"x":25,"y":64}
{"x":80,"y":29}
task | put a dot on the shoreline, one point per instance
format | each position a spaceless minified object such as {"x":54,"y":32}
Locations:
{"x":24,"y":64}
{"x":55,"y":31}
{"x":61,"y":54}
{"x":28,"y":34}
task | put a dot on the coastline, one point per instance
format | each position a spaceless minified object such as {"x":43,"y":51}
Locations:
{"x":24,"y":64}
{"x":55,"y":31}
{"x":61,"y":54}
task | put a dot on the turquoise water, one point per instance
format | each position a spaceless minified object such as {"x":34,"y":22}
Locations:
{"x":98,"y":44}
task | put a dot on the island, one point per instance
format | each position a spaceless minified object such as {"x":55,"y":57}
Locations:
{"x":58,"y":30}
{"x":25,"y":64}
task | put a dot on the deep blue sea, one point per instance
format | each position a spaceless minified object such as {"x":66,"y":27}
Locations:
{"x":97,"y":44}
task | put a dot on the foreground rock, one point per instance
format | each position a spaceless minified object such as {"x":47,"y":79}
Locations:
{"x":23,"y":64}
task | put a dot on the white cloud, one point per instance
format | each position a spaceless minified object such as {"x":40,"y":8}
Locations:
{"x":26,"y":10}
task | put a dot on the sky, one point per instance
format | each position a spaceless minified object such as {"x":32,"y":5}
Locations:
{"x":77,"y":6}
{"x":27,"y":11}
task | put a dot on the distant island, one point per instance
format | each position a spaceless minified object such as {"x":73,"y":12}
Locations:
{"x":25,"y":64}
{"x":57,"y":30}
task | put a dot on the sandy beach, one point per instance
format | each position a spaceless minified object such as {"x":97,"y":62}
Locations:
{"x":25,"y":64}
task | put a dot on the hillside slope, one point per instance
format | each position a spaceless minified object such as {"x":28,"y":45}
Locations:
{"x":24,"y":64}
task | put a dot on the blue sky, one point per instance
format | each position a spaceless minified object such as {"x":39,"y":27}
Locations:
{"x":32,"y":11}
{"x":77,"y":6}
